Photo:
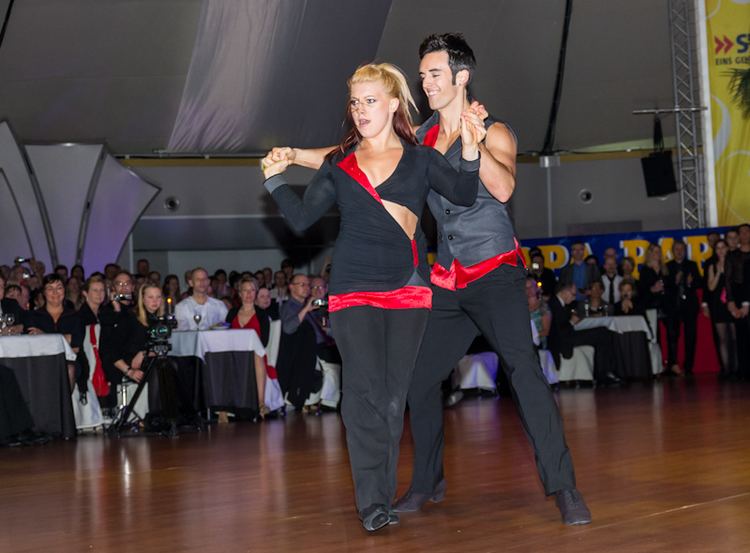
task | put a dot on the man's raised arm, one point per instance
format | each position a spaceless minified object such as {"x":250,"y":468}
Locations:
{"x":498,"y":166}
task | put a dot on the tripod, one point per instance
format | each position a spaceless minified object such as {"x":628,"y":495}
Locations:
{"x":170,"y":398}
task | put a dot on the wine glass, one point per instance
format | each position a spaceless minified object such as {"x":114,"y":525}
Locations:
{"x":197,"y":318}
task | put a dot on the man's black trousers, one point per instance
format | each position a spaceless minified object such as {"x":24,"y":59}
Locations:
{"x":495,"y":306}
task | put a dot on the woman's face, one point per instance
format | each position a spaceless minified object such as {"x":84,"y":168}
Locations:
{"x":654,"y":254}
{"x":73,"y":287}
{"x":247,"y":293}
{"x":627,"y":268}
{"x":54,"y":293}
{"x":152,"y":299}
{"x":263,"y":298}
{"x":721,"y":249}
{"x":372,"y":108}
{"x":597,"y":290}
{"x":95,"y":295}
{"x":626,"y":291}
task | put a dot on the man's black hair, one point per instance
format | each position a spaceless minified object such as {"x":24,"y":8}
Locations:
{"x":460,"y":55}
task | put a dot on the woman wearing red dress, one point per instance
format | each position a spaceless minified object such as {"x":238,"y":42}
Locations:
{"x":248,"y":316}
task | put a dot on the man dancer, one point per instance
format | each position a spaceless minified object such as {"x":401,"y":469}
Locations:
{"x":479,"y":264}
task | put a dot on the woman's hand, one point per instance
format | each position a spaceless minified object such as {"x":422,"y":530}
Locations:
{"x":472,"y":133}
{"x":134,"y":374}
{"x":34,"y":331}
{"x":275,"y":163}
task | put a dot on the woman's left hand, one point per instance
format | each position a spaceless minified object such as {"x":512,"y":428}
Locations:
{"x":472,"y":129}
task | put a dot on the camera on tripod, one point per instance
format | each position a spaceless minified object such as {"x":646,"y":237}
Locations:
{"x":158,"y":333}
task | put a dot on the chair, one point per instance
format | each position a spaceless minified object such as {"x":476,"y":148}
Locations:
{"x":478,"y":370}
{"x":579,"y":367}
{"x":657,"y":365}
{"x":274,"y":399}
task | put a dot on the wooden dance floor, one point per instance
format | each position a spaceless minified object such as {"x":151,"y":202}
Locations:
{"x":665,"y":467}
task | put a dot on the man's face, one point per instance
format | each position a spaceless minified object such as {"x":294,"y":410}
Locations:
{"x":569,"y":294}
{"x":123,"y":284}
{"x":300,"y":288}
{"x":279,"y":279}
{"x":63,"y":272}
{"x":678,"y":251}
{"x":437,"y":80}
{"x":577,"y":251}
{"x":319,"y":288}
{"x":143,"y":267}
{"x":744,"y":233}
{"x":200,"y":282}
{"x":712,"y":238}
{"x":732,"y":239}
{"x":610,"y":252}
{"x":610,"y":266}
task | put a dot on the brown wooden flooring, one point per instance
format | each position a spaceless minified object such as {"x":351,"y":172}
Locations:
{"x":664,"y":467}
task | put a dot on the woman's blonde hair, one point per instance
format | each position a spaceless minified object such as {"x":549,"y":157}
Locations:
{"x":396,"y":86}
{"x":142,"y":314}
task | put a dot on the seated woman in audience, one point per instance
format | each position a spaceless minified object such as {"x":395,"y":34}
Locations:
{"x":56,"y":318}
{"x":596,"y":306}
{"x":629,"y":304}
{"x":260,"y":277}
{"x":150,"y":307}
{"x":721,"y":319}
{"x":73,"y":293}
{"x":20,"y":293}
{"x":538,"y":310}
{"x":249,"y":316}
{"x":172,"y":289}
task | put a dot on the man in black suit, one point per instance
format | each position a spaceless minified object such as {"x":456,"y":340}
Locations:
{"x":680,"y":286}
{"x":563,"y":337}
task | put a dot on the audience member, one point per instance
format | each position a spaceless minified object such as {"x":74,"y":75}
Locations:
{"x":73,"y":293}
{"x":280,"y":290}
{"x":249,"y":316}
{"x":154,"y":277}
{"x":297,"y":362}
{"x":94,"y":294}
{"x":737,"y":270}
{"x":329,"y":358}
{"x":579,"y":272}
{"x":722,"y":322}
{"x":629,"y":303}
{"x":538,"y":310}
{"x":55,"y":318}
{"x":171,"y":289}
{"x":264,"y":301}
{"x":653,"y":275}
{"x":260,"y":278}
{"x":9,"y":308}
{"x":20,"y":293}
{"x":627,"y":268}
{"x":682,"y":306}
{"x":77,"y":272}
{"x":62,"y":271}
{"x":287,"y":267}
{"x":594,"y":305}
{"x":142,"y":267}
{"x":545,"y":277}
{"x":732,"y":238}
{"x":611,"y":280}
{"x":563,"y":336}
{"x":267,"y":277}
{"x":199,"y":311}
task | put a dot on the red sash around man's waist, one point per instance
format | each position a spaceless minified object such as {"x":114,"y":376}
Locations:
{"x":459,"y":276}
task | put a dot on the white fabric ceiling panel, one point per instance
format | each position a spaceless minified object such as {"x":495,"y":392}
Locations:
{"x":120,"y":198}
{"x":13,"y":239}
{"x":16,"y":172}
{"x":65,"y":177}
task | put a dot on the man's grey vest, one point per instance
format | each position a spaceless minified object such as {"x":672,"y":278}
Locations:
{"x":469,"y":234}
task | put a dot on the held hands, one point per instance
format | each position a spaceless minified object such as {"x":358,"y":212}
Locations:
{"x":277,"y":161}
{"x":472,"y":133}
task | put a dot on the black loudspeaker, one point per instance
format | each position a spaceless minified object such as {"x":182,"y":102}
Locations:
{"x":658,"y":172}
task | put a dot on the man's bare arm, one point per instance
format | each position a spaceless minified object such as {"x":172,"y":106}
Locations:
{"x":498,"y":166}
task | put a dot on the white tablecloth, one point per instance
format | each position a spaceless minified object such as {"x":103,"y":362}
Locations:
{"x":621,"y":324}
{"x":35,"y":346}
{"x":197,"y":343}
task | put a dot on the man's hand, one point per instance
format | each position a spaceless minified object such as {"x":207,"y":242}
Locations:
{"x":272,"y":167}
{"x":574,"y":319}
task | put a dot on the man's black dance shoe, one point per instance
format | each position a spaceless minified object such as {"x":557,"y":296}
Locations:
{"x":572,"y":507}
{"x":376,"y":517}
{"x":412,"y":501}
